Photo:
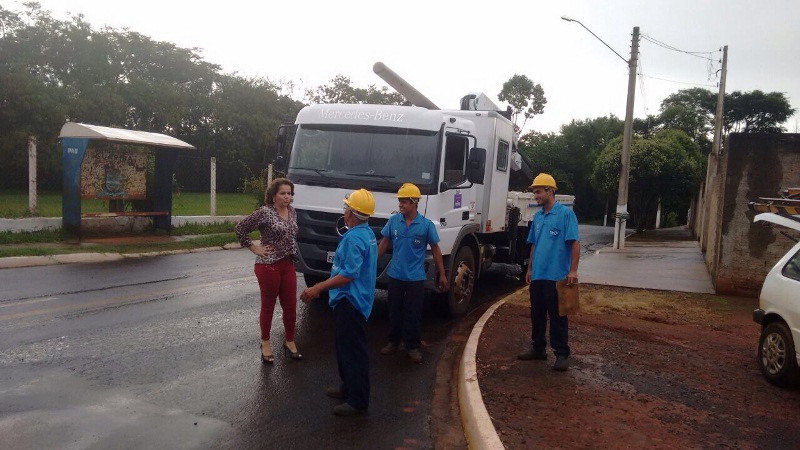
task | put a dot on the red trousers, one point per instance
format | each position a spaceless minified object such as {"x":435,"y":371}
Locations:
{"x":277,"y":280}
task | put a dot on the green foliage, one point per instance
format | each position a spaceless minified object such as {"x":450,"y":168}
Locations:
{"x":341,"y":90}
{"x":757,"y":112}
{"x":667,"y":167}
{"x":689,"y":110}
{"x":57,"y":247}
{"x":202,"y":229}
{"x":525,"y":97}
{"x":256,"y":188}
{"x":692,"y":111}
{"x":53,"y":71}
{"x":570,"y":157}
{"x":670,"y":220}
{"x":32,"y":237}
{"x":14,"y":204}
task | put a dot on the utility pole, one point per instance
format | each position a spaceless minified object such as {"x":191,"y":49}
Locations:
{"x":624,"y":170}
{"x":716,"y":153}
{"x":720,"y":103}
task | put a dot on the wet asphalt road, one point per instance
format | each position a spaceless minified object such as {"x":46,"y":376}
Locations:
{"x":163,"y":353}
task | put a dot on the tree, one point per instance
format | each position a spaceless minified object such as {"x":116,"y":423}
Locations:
{"x":525,"y":97}
{"x":690,"y":110}
{"x":54,"y":71}
{"x":666,"y":168}
{"x":757,"y":112}
{"x":341,"y":90}
{"x":570,"y":155}
{"x":646,"y":127}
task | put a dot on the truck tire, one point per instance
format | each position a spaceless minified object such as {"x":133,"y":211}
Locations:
{"x":462,"y":282}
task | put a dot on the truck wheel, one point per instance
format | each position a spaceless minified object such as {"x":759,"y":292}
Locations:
{"x":776,"y":356}
{"x":314,"y":279}
{"x":462,"y":282}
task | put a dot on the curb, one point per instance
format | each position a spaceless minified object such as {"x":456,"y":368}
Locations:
{"x":18,"y":262}
{"x":475,"y":419}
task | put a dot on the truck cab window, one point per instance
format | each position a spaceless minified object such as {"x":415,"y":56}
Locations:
{"x":353,"y":156}
{"x":502,"y":156}
{"x":455,"y":160}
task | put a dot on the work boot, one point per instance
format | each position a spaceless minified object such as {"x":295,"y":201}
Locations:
{"x":346,"y":410}
{"x":334,"y":392}
{"x":389,"y":349}
{"x":533,"y":354}
{"x":562,"y":363}
{"x":415,"y":355}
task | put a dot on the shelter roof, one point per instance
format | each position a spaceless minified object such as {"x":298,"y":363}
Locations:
{"x":81,"y":130}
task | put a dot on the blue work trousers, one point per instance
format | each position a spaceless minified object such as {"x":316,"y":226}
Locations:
{"x":352,"y":355}
{"x":405,"y":312}
{"x":544,"y":305}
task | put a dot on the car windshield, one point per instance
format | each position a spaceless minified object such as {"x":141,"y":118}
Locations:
{"x":378,"y":157}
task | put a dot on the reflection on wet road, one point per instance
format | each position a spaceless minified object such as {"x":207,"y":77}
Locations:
{"x":163,"y":353}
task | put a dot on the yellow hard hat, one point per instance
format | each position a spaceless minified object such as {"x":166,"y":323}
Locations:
{"x":544,"y":180}
{"x":361,"y":201}
{"x":408,"y":190}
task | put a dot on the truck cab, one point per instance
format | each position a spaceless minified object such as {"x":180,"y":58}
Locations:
{"x":462,"y":161}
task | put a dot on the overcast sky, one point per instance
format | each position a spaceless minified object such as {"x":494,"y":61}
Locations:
{"x":447,"y":49}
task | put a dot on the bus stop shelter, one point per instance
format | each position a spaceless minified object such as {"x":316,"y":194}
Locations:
{"x":117,"y":172}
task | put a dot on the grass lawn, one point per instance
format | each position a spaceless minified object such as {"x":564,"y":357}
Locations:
{"x":14,"y":204}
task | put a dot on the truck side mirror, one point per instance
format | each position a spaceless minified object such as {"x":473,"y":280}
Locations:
{"x":476,"y":165}
{"x":282,"y":143}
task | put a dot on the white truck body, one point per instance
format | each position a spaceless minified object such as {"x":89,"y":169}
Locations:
{"x":338,"y":148}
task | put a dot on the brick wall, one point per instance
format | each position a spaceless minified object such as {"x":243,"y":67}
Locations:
{"x":740,"y":253}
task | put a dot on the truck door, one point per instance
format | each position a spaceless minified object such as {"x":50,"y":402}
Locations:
{"x":456,"y":202}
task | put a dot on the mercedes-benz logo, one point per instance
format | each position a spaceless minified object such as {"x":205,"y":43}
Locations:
{"x":341,"y":227}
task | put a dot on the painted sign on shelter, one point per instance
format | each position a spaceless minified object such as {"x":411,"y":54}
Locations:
{"x":111,"y":174}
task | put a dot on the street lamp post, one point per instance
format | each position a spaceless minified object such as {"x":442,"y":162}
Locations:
{"x":622,"y":192}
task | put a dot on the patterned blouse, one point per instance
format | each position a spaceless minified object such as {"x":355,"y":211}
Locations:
{"x":276,"y":232}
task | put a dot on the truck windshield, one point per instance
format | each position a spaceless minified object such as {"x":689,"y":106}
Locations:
{"x":379,"y":158}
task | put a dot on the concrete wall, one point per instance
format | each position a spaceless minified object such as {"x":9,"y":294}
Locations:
{"x":739,"y":253}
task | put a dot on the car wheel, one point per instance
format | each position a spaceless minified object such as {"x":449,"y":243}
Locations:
{"x":776,"y":355}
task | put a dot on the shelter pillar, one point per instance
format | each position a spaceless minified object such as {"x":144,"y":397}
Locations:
{"x":73,"y":150}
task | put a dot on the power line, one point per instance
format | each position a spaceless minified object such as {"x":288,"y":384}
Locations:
{"x":640,"y":73}
{"x":707,"y":56}
{"x":670,"y":47}
{"x":679,"y":82}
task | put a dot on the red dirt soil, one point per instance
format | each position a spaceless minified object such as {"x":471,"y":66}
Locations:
{"x":649,"y":369}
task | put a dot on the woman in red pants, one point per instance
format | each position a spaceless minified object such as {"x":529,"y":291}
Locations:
{"x":274,"y":267}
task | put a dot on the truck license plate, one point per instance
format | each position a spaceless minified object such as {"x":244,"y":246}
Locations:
{"x":330,"y":256}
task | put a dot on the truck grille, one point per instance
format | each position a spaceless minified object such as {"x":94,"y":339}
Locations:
{"x":319,"y":228}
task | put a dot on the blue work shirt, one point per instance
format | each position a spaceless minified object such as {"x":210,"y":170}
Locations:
{"x":356,"y":258}
{"x":408,"y":246}
{"x":552,"y":234}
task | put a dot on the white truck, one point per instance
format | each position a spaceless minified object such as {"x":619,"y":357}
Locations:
{"x":462,"y":160}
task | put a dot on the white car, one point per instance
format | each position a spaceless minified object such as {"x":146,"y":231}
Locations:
{"x":779,"y":312}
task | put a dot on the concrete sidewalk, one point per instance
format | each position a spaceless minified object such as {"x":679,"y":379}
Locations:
{"x":668,"y":259}
{"x":665,"y":265}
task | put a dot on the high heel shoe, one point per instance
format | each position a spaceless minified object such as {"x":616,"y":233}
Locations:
{"x":266,"y":359}
{"x":294,"y":355}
